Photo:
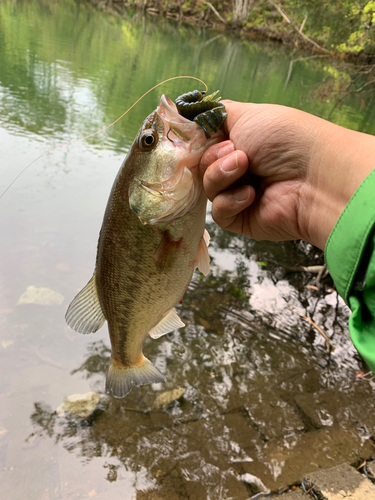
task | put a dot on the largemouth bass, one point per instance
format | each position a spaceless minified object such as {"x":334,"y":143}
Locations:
{"x":152,"y":238}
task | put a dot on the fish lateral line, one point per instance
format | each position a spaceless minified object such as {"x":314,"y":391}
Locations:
{"x":101,"y":130}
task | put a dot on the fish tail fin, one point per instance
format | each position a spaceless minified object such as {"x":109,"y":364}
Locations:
{"x":121,"y":379}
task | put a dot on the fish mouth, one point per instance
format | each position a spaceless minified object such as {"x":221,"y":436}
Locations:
{"x":176,"y":127}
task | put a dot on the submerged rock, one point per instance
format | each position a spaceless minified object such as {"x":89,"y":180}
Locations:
{"x":81,"y":405}
{"x":40,"y":296}
{"x":168,"y":397}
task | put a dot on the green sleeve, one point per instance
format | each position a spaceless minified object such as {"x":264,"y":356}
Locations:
{"x":350,"y":259}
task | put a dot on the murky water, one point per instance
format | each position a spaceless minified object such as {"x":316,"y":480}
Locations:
{"x":264,"y":402}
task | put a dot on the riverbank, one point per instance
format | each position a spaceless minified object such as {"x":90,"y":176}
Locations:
{"x":338,"y":29}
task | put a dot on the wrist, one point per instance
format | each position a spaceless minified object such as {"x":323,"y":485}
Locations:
{"x":340,"y":160}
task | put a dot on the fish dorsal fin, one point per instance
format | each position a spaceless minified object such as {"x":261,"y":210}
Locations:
{"x":85,"y":315}
{"x":203,"y":258}
{"x":170,"y":322}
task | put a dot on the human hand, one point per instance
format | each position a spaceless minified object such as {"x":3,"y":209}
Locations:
{"x":284,"y":174}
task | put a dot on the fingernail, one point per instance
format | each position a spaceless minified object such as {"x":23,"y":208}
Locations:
{"x":242,"y":193}
{"x":230,"y":164}
{"x":226,"y":150}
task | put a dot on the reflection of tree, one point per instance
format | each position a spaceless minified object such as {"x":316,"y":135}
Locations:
{"x":43,"y":418}
{"x":97,"y":361}
{"x":346,"y":86}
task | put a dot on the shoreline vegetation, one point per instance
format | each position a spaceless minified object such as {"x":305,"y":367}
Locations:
{"x":338,"y":28}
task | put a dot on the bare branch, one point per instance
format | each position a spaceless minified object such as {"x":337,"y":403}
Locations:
{"x":329,"y":344}
{"x":214,"y":11}
{"x":289,"y":21}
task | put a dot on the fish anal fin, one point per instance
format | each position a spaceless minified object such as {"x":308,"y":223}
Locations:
{"x":170,"y":322}
{"x":84,"y":313}
{"x":120,"y":380}
{"x":203,"y":258}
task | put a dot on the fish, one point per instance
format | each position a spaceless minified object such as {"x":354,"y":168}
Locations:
{"x":152,"y":237}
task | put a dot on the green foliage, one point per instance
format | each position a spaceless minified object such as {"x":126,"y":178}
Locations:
{"x":342,"y":25}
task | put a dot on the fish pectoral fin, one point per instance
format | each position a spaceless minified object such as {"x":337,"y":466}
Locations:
{"x":85,"y":315}
{"x":206,"y":237}
{"x":121,"y":379}
{"x":170,"y":322}
{"x":203,"y":258}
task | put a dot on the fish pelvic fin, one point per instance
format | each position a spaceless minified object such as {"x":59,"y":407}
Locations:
{"x":169,"y":322}
{"x":84,"y":314}
{"x":203,"y":258}
{"x":121,"y":379}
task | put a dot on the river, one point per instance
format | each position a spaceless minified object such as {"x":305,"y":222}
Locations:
{"x":264,"y":402}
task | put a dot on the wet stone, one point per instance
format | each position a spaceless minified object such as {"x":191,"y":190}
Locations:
{"x":160,"y":419}
{"x":284,"y":461}
{"x":81,"y":405}
{"x":319,"y":410}
{"x":360,"y":406}
{"x":341,"y":482}
{"x":41,"y":296}
{"x":371,"y":468}
{"x":274,"y":417}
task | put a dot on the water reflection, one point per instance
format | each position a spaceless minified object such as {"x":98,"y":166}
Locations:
{"x":260,"y":389}
{"x":264,"y":402}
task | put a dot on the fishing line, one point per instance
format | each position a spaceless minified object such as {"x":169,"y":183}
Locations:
{"x":101,"y":130}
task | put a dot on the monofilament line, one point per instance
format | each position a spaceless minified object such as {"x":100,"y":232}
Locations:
{"x":101,"y":130}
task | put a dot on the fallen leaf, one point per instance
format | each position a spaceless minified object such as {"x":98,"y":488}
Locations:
{"x":205,"y":323}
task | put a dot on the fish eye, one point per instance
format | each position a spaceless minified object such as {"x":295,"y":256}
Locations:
{"x":148,"y":139}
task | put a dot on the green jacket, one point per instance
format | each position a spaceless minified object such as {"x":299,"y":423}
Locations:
{"x":350,"y":259}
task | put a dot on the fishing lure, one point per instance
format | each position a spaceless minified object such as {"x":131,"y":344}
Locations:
{"x":205,"y":111}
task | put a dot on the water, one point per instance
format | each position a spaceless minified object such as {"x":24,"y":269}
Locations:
{"x":264,"y":402}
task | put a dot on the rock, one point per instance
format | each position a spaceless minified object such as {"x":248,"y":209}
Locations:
{"x":81,"y":405}
{"x":168,"y":397}
{"x":340,"y":482}
{"x":253,"y":480}
{"x":40,"y":296}
{"x":371,"y":468}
